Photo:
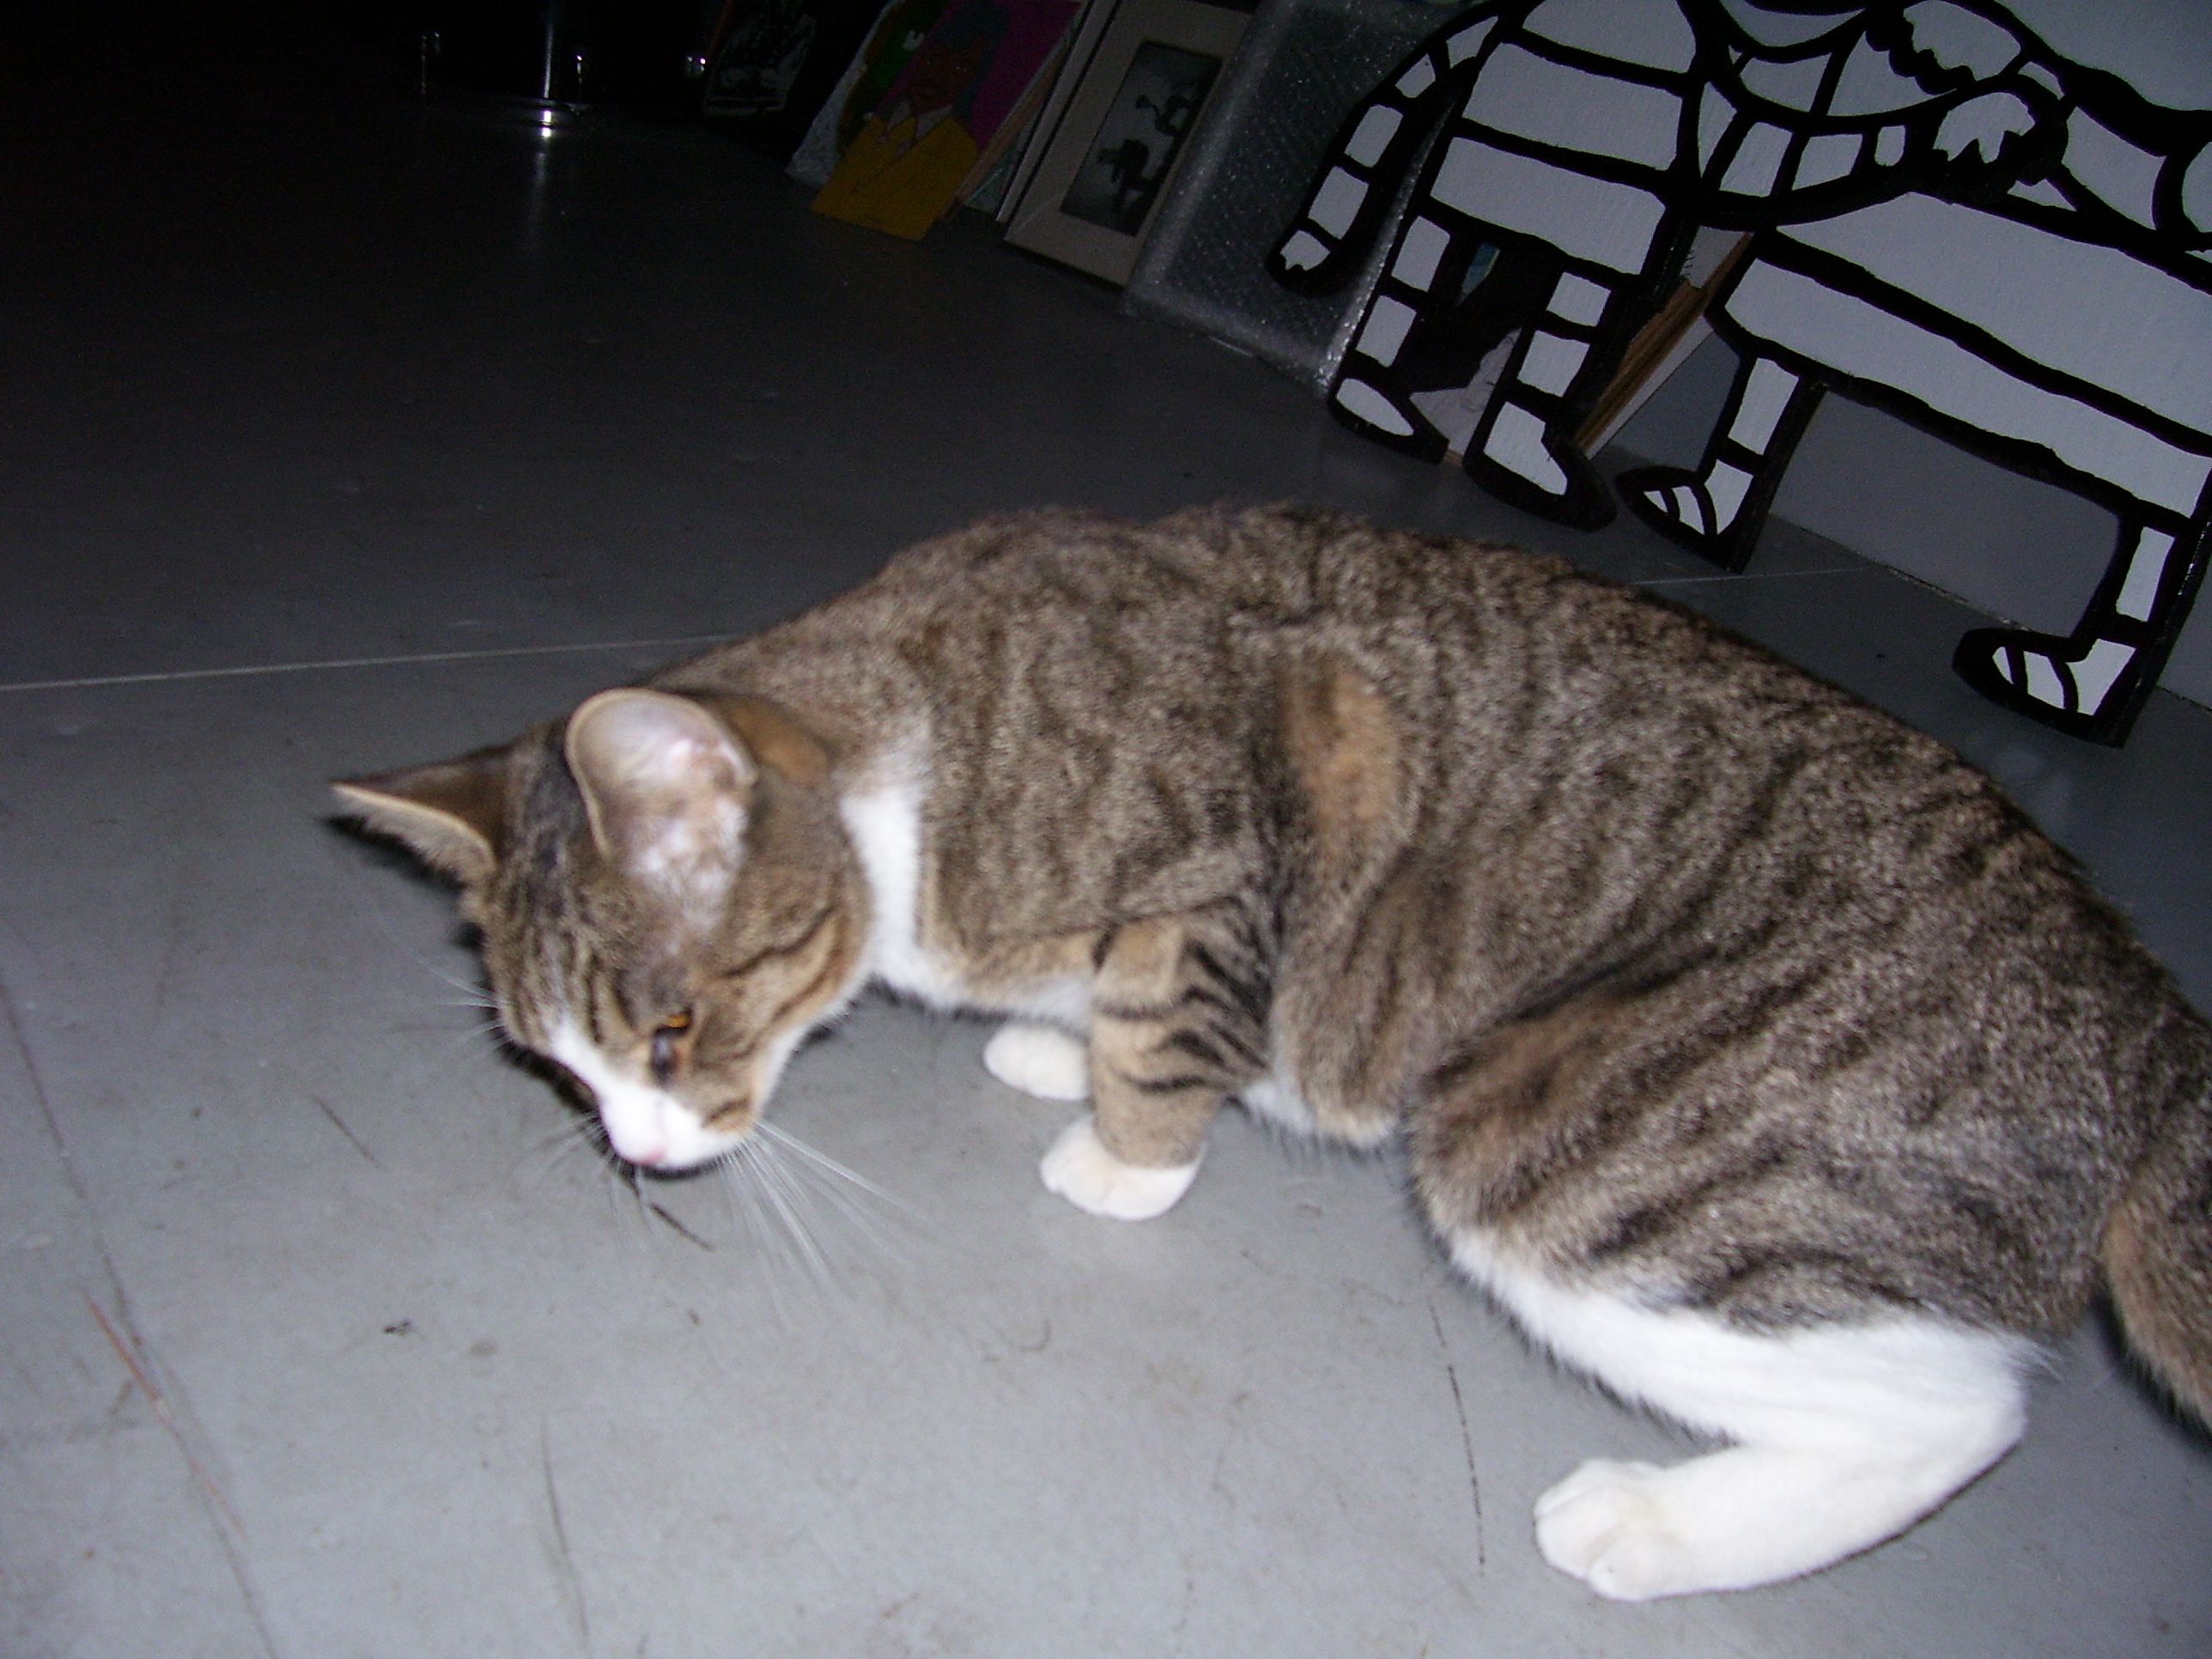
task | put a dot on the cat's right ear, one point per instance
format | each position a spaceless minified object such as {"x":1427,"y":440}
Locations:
{"x":667,"y":785}
{"x":450,"y":814}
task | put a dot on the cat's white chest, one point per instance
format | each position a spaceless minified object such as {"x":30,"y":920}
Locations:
{"x":884,"y":820}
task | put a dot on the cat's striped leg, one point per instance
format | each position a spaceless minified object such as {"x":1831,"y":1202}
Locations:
{"x":1719,"y":510}
{"x":1845,"y":1435}
{"x":1176,"y":1029}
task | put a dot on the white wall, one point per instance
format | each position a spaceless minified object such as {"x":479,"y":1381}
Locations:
{"x":2023,"y":550}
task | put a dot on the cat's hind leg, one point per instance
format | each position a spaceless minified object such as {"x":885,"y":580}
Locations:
{"x":1844,"y":1435}
{"x":1039,"y":1060}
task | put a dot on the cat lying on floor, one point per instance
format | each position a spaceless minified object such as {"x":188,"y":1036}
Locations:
{"x":1751,"y":1049}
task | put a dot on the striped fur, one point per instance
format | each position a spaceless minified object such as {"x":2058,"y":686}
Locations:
{"x":1717,"y":1007}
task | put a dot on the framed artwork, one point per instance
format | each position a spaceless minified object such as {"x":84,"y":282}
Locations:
{"x":1103,"y":171}
{"x":1082,"y":46}
{"x":773,"y":62}
{"x":899,"y":30}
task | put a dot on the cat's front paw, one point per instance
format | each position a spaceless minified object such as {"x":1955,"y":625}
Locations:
{"x":1039,"y":1060}
{"x":1081,"y":1171}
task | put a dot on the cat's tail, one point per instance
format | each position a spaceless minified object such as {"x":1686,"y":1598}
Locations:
{"x":2158,"y":1253}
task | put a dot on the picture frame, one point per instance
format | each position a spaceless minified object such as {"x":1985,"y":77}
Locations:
{"x":771,"y":64}
{"x":1107,"y":166}
{"x":1082,"y":46}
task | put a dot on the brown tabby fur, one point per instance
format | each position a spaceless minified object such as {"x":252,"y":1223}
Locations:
{"x":1683,"y":973}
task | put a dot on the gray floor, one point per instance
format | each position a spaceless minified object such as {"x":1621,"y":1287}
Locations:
{"x":344,"y":431}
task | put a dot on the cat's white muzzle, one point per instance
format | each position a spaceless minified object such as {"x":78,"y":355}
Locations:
{"x":648,"y":1127}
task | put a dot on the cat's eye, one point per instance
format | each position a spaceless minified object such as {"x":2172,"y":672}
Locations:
{"x":665,"y":1036}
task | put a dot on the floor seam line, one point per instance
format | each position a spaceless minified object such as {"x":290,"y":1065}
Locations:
{"x":1724,"y":576}
{"x":94,"y":682}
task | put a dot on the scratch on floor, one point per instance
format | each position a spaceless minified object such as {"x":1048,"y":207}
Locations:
{"x":172,"y":937}
{"x":571,"y":1581}
{"x":125,"y":1352}
{"x":231,"y":1538}
{"x":685,"y":1232}
{"x":339,"y":1123}
{"x":1466,"y":1439}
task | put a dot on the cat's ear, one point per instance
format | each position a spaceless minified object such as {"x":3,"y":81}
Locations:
{"x":450,"y":815}
{"x":779,"y":742}
{"x":667,"y":784}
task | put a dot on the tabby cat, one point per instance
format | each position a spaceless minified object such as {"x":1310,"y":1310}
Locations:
{"x":1750,"y":1048}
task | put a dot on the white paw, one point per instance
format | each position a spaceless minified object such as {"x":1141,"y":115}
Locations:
{"x":1082,"y":1171}
{"x":1609,"y":1524}
{"x":1039,"y":1060}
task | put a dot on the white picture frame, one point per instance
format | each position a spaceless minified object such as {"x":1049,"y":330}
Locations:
{"x":1109,"y":163}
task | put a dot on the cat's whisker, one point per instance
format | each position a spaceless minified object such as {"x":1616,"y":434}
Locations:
{"x":822,"y":1160}
{"x":465,"y":986}
{"x":618,"y":1213}
{"x":747,"y":1213}
{"x":439,"y":1045}
{"x":789,"y":1202}
{"x":484,"y":1032}
{"x":861,"y":1203}
{"x":473,"y":991}
{"x":829,"y":1209}
{"x":837,"y":1194}
{"x":816,"y":1226}
{"x":741,"y":1190}
{"x":843,"y":1211}
{"x":647,"y":1236}
{"x":769,"y":1250}
{"x":890,"y":1239}
{"x":553,"y":1151}
{"x":770,"y":1227}
{"x":382,"y":924}
{"x":563,"y":1141}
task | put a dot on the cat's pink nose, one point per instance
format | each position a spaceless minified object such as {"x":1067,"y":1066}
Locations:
{"x":646,"y":1154}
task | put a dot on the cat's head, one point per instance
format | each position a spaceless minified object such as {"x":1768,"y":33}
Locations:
{"x":667,"y":900}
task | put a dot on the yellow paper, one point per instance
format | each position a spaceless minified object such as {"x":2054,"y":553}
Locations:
{"x":900,"y":177}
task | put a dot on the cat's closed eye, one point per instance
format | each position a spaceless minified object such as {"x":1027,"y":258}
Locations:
{"x":667,"y":1038}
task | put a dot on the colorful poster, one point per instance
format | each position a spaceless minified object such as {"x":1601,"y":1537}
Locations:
{"x":904,"y":27}
{"x":901,"y":173}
